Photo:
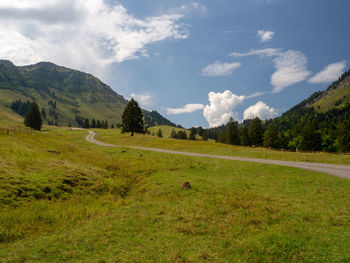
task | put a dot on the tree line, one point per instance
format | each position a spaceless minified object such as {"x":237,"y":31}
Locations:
{"x":307,"y":131}
{"x":103,"y":124}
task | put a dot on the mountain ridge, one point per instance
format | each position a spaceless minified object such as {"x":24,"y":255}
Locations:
{"x":76,"y":94}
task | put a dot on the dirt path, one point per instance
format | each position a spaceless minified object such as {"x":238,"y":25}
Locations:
{"x":331,"y":169}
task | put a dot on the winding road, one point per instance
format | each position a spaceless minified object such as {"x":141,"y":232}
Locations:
{"x":331,"y":169}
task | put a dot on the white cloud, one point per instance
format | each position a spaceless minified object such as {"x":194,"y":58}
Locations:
{"x":256,"y":94}
{"x":266,"y":52}
{"x":144,"y":100}
{"x":194,"y":6}
{"x":329,"y":73}
{"x":188,"y":108}
{"x":265,"y":35}
{"x":290,"y":69}
{"x":261,"y":110}
{"x":220,"y":69}
{"x":290,"y":66}
{"x":221,"y":107}
{"x":87,"y":35}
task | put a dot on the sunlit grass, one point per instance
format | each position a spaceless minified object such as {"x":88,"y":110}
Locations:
{"x":124,"y":205}
{"x":211,"y":147}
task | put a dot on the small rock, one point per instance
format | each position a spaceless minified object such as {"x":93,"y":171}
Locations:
{"x":186,"y":185}
{"x":123,"y":151}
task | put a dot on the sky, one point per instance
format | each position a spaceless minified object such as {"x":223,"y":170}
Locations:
{"x":198,"y":63}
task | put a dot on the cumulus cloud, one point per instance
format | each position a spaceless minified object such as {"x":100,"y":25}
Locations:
{"x":265,"y":35}
{"x":87,"y":35}
{"x":266,"y":52}
{"x":220,"y":108}
{"x":144,"y":100}
{"x":220,"y":69}
{"x":261,"y":110}
{"x":329,"y":73}
{"x":188,"y":108}
{"x":290,"y":69}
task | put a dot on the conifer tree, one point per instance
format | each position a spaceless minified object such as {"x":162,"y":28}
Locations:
{"x":192,"y":135}
{"x":93,"y":123}
{"x":98,"y":124}
{"x":205,"y":135}
{"x":344,"y":136}
{"x":86,"y":124}
{"x":232,"y":133}
{"x":256,"y":132}
{"x":33,"y":117}
{"x":271,"y":137}
{"x":159,"y":133}
{"x":173,"y":134}
{"x":132,"y":118}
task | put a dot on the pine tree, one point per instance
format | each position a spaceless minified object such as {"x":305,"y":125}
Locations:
{"x":33,"y":117}
{"x":181,"y":135}
{"x":86,"y":124}
{"x":132,"y":118}
{"x":98,"y":124}
{"x":205,"y":135}
{"x":112,"y":126}
{"x":173,"y":134}
{"x":244,"y":136}
{"x":192,"y":135}
{"x":310,"y":138}
{"x":256,"y":132}
{"x":159,"y":133}
{"x":271,"y":137}
{"x":93,"y":123}
{"x":344,"y":136}
{"x":231,"y":133}
{"x":106,"y":125}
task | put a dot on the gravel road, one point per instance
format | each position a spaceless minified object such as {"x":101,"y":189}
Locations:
{"x":331,"y":169}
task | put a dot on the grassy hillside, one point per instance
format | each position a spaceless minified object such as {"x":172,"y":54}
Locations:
{"x":63,"y":199}
{"x":336,"y":97}
{"x":76,"y":94}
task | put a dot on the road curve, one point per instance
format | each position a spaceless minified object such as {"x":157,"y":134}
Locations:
{"x":331,"y":169}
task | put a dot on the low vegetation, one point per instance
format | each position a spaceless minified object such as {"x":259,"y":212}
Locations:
{"x":123,"y":205}
{"x":211,"y":147}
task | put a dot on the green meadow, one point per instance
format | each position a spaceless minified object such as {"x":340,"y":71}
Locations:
{"x":63,"y":199}
{"x":212,"y":147}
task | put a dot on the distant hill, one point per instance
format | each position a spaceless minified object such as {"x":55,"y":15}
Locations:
{"x":65,"y":95}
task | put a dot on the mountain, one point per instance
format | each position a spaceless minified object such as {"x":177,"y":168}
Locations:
{"x":331,"y":104}
{"x":336,"y":95}
{"x":319,"y":123}
{"x":65,"y":95}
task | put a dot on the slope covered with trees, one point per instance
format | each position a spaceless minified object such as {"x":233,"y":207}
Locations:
{"x":319,"y":123}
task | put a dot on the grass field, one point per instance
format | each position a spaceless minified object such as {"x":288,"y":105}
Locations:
{"x":211,"y":147}
{"x":63,"y":199}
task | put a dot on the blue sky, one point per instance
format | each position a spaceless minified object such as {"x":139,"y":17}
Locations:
{"x":196,"y":62}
